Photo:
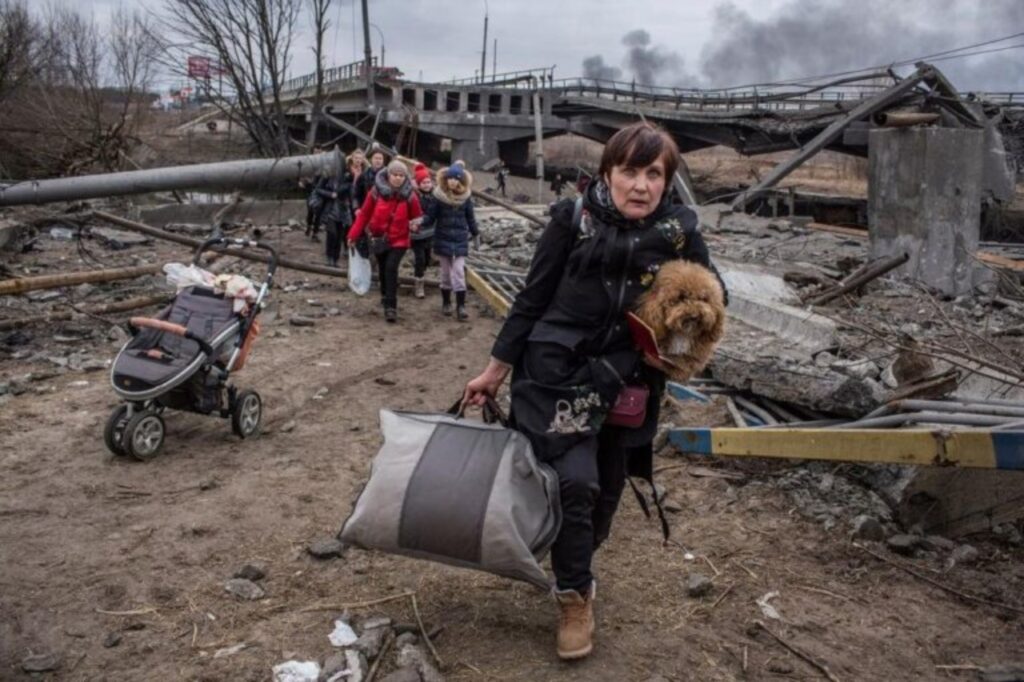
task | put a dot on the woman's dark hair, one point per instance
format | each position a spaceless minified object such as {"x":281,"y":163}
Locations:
{"x":639,"y":145}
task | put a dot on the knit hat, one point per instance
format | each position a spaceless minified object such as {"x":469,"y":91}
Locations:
{"x":397,"y":166}
{"x":420,"y":172}
{"x":457,"y":171}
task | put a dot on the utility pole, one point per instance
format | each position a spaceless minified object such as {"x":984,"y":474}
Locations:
{"x":483,"y":56}
{"x":494,"y":59}
{"x":370,"y":97}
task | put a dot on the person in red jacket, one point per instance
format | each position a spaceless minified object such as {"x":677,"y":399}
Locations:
{"x":390,"y":212}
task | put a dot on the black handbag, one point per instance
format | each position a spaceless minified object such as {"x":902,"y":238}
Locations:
{"x":379,"y":245}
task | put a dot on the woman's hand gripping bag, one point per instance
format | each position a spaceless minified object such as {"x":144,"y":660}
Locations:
{"x":457,"y":491}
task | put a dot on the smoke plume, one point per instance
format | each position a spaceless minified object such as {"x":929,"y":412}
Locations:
{"x":814,"y":37}
{"x":594,"y":67}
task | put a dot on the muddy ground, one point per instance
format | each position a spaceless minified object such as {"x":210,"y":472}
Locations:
{"x":95,"y":549}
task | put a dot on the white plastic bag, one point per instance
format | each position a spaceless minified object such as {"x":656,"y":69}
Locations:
{"x":180,"y":276}
{"x":360,"y":272}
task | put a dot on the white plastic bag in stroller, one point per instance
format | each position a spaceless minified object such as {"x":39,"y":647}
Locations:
{"x":360,"y":272}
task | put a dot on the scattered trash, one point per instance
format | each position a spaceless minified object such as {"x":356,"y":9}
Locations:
{"x":297,"y":671}
{"x":343,"y":634}
{"x":230,"y":650}
{"x":767,"y":609}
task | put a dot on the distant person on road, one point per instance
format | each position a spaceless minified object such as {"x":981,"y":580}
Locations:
{"x":452,"y":219}
{"x":314,"y":206}
{"x":557,"y":184}
{"x":335,"y":191}
{"x":581,"y":184}
{"x":389,"y":214}
{"x":568,"y":347}
{"x":423,"y":239}
{"x":501,"y":176}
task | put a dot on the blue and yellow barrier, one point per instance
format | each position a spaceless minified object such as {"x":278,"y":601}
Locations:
{"x":974,"y":449}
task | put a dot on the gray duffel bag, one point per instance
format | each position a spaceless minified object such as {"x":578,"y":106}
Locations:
{"x":458,"y":491}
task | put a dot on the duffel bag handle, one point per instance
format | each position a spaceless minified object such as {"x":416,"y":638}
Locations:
{"x":492,"y":412}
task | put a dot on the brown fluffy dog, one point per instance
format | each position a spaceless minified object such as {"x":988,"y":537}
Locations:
{"x":686,"y":310}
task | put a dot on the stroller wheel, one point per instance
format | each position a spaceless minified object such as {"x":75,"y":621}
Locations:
{"x":144,"y":435}
{"x":247,"y":414}
{"x":113,"y":432}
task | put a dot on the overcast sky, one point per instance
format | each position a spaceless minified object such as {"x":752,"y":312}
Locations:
{"x":671,"y":42}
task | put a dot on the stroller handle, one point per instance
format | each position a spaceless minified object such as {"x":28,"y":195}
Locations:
{"x":229,"y":241}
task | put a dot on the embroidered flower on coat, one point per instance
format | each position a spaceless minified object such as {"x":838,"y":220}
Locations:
{"x":674,"y":232}
{"x":575,"y":416}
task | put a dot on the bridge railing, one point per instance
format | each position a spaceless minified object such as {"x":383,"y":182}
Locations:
{"x":355,"y":71}
{"x":508,"y":78}
{"x":779,"y":97}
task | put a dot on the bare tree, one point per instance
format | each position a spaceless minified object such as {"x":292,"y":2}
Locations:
{"x":250,"y":41}
{"x":319,"y":9}
{"x":23,"y":48}
{"x":79,"y":108}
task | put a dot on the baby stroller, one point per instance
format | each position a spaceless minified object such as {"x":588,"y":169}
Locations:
{"x":182,"y":360}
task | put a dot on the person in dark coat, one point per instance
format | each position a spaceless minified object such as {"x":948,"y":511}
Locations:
{"x":365,"y":182}
{"x":569,"y":350}
{"x":422,"y":240}
{"x":314,"y":206}
{"x":335,"y":193}
{"x":390,"y":214}
{"x":557,"y":184}
{"x":502,"y":176}
{"x":452,"y":219}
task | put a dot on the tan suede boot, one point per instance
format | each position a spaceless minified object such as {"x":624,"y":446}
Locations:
{"x":575,"y":623}
{"x":419,"y":291}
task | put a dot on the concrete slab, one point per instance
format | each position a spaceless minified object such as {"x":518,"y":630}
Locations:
{"x":766,"y":301}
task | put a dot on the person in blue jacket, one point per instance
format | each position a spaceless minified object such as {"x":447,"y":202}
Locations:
{"x":452,"y":220}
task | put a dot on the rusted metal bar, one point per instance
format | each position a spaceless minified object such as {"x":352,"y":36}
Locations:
{"x":863,"y":110}
{"x":68,"y":279}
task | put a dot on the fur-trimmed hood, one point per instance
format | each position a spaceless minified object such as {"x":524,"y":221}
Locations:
{"x":443,"y":194}
{"x":384,"y":188}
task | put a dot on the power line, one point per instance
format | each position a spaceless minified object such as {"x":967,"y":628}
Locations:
{"x":868,"y":69}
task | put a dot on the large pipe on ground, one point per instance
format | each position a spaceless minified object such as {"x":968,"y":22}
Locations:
{"x":250,"y":174}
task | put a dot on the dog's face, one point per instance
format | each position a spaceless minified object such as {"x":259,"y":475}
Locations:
{"x":685,"y":299}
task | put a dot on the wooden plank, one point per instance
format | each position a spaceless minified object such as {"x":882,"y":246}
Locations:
{"x":980,"y":449}
{"x":481,"y":286}
{"x":1001,"y":261}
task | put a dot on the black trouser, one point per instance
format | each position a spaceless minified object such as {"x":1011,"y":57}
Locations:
{"x":313,"y":219}
{"x":591,"y":476}
{"x":332,"y":245}
{"x":421,"y":253}
{"x":387,"y":271}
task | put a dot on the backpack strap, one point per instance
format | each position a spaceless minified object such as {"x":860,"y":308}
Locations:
{"x":577,"y":214}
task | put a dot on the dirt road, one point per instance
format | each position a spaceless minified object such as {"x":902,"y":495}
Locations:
{"x":96,"y":550}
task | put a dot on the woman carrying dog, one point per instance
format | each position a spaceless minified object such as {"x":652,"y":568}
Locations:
{"x":390,"y":213}
{"x":568,"y":347}
{"x":452,"y":219}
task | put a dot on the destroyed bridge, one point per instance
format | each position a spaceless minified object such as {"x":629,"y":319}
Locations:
{"x":500,"y":117}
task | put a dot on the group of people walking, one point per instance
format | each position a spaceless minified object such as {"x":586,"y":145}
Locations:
{"x":382,"y":210}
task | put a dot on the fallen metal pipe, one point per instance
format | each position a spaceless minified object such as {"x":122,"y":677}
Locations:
{"x":759,"y":412}
{"x":911,"y":405}
{"x":904,"y":119}
{"x":23,"y":284}
{"x":955,"y":418}
{"x":246,"y":174}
